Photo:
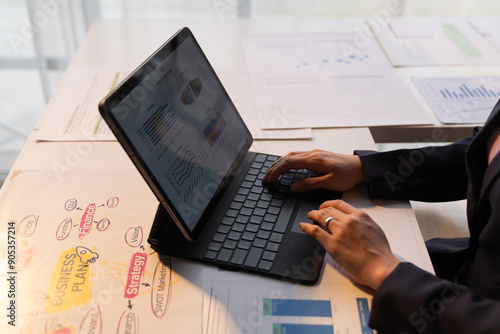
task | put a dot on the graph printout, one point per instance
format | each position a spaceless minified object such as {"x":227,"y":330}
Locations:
{"x":460,"y":99}
{"x":326,"y":80}
{"x":267,"y":307}
{"x":419,"y":41}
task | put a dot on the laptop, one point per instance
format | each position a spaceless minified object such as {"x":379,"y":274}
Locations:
{"x":178,"y":125}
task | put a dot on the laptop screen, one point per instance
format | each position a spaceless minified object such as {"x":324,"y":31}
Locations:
{"x":182,"y":126}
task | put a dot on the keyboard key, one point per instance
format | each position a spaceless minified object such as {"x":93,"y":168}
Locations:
{"x":272,"y":158}
{"x":267,"y":197}
{"x":211,"y":255}
{"x":236,"y":205}
{"x":257,"y":165}
{"x":246,"y":184}
{"x":244,"y":244}
{"x":253,"y":257}
{"x":257,"y":189}
{"x":261,"y":243}
{"x":252,"y":227}
{"x":242,"y":219}
{"x":272,"y":246}
{"x":265,"y":265}
{"x":284,"y":218}
{"x":223,"y":229}
{"x":260,"y":158}
{"x":238,"y":227}
{"x":250,"y":178}
{"x":259,"y":212}
{"x":249,"y":204}
{"x":248,"y":236}
{"x":231,"y":213}
{"x":230,"y":244}
{"x":277,"y":202}
{"x":276,"y":237}
{"x":243,"y":191}
{"x":219,"y":237}
{"x":263,"y":204}
{"x":224,"y":255}
{"x":246,"y":211}
{"x":271,"y":218}
{"x":253,"y":171}
{"x":269,"y":256}
{"x":239,"y":198}
{"x":267,"y":226}
{"x":239,"y":256}
{"x":253,"y":196}
{"x":227,"y":221}
{"x":215,"y":246}
{"x":273,"y":210}
{"x":263,"y":234}
{"x":234,"y":235}
{"x":268,"y":163}
{"x":256,"y":220}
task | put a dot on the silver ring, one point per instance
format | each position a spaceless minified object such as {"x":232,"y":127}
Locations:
{"x":327,"y":221}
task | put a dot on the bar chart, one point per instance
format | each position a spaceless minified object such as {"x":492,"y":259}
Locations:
{"x":467,"y":99}
{"x":284,"y":308}
{"x":253,"y":307}
{"x":156,"y":126}
{"x":464,"y":91}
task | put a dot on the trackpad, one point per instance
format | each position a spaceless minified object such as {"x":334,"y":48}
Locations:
{"x":311,"y":201}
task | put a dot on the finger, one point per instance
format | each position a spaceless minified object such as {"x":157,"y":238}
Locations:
{"x":317,"y":233}
{"x":310,"y":183}
{"x":320,"y":216}
{"x":339,"y":205}
{"x":294,"y":160}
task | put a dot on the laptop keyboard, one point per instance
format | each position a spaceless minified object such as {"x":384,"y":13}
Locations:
{"x":252,"y":230}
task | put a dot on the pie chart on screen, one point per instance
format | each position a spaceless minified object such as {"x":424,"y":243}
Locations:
{"x":192,"y":91}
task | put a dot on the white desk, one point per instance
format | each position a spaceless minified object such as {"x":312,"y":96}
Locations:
{"x":73,"y":277}
{"x":221,"y":41}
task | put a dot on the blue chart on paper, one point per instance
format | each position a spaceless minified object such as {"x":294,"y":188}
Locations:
{"x":364,"y":315}
{"x":298,"y":308}
{"x":464,"y":91}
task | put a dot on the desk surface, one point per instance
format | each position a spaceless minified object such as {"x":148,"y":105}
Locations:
{"x":107,"y":44}
{"x":82,"y":214}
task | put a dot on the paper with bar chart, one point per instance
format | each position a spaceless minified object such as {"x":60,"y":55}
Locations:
{"x":326,"y":80}
{"x":277,"y":308}
{"x":419,"y":41}
{"x":467,"y":99}
{"x":72,"y":113}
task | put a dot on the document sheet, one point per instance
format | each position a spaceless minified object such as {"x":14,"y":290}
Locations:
{"x":326,"y":80}
{"x":418,"y":41}
{"x":456,"y":99}
{"x":83,"y":263}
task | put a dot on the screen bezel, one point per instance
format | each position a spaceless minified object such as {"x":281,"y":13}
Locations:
{"x":124,"y":88}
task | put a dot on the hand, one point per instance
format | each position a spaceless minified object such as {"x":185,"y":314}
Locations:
{"x":356,"y":242}
{"x":337,"y":172}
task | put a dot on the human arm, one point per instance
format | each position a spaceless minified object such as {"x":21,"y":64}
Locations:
{"x":433,"y":173}
{"x":407,"y":299}
{"x":411,"y":300}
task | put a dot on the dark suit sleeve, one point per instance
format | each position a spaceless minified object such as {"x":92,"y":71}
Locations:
{"x":431,"y":174}
{"x":410,"y":300}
